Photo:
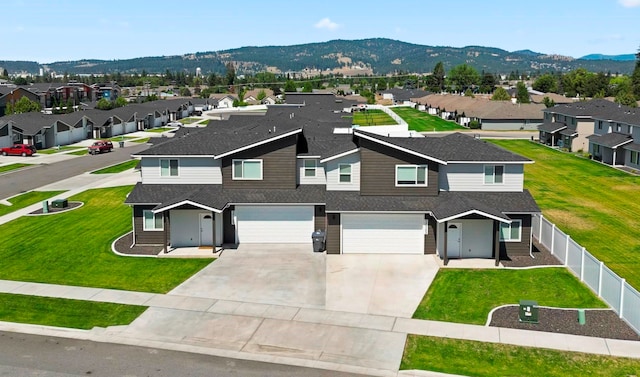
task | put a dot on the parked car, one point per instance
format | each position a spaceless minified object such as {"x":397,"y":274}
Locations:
{"x":101,"y":146}
{"x":174,"y":124}
{"x":19,"y":150}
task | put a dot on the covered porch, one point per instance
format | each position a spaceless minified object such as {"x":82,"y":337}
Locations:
{"x":550,"y":133}
{"x":608,"y":148}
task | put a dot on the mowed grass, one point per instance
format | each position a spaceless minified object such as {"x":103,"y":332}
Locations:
{"x":143,"y":140}
{"x":190,"y":120}
{"x":67,"y":313}
{"x":123,"y":166}
{"x":422,"y":122}
{"x":81,"y":152}
{"x":74,"y":248}
{"x":467,"y":296}
{"x":160,"y":130}
{"x":11,"y":167}
{"x":472,"y":358}
{"x":372,"y":117}
{"x":596,"y":205}
{"x":26,"y":199}
{"x":63,"y":148}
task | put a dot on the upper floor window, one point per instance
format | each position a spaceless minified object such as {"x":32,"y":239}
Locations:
{"x":493,"y":174}
{"x":411,"y":175}
{"x":345,"y":173}
{"x":309,"y":168}
{"x":599,"y":124}
{"x":618,"y":127}
{"x":511,"y":232}
{"x":168,"y":167}
{"x":247,"y":169}
{"x":152,"y":221}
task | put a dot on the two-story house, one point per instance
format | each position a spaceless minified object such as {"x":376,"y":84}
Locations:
{"x":279,"y":177}
{"x":616,"y":137}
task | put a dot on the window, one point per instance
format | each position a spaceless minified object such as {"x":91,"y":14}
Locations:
{"x":599,"y":124}
{"x":309,"y":168}
{"x":493,"y":174}
{"x":596,"y":149}
{"x":169,"y":168}
{"x":247,"y":169}
{"x":411,"y":175}
{"x":345,"y":173}
{"x":152,"y":221}
{"x":635,"y":158}
{"x":511,"y":232}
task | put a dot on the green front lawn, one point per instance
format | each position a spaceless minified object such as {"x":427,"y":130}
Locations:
{"x":81,"y":152}
{"x":26,"y":199}
{"x":372,"y":117}
{"x":159,"y":130}
{"x":121,"y":138}
{"x":117,"y":168}
{"x":595,"y":204}
{"x":422,"y":122}
{"x":74,"y":248}
{"x":68,"y":313}
{"x":63,"y":148}
{"x":143,"y":140}
{"x":472,"y":358}
{"x":189,"y":120}
{"x":10,"y":167}
{"x":467,"y":296}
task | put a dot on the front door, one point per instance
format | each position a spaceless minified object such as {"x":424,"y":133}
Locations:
{"x":206,"y":230}
{"x":454,"y":235}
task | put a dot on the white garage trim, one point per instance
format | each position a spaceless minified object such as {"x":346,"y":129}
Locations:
{"x":274,"y":224}
{"x":382,"y":233}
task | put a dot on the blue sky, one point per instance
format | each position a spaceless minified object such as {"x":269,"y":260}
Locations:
{"x":55,"y":30}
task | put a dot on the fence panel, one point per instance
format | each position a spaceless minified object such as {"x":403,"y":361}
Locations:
{"x":547,"y":229}
{"x":591,"y":271}
{"x":631,"y":307}
{"x":560,"y":245}
{"x":574,"y":257}
{"x":611,"y":287}
{"x":535,"y":226}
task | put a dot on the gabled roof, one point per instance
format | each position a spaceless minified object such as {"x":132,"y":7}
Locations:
{"x":568,"y":132}
{"x":552,"y":127}
{"x":611,"y":140}
{"x":483,"y":108}
{"x":632,"y":147}
{"x":599,"y":109}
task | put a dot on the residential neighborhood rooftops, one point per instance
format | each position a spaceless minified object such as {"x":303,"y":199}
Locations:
{"x":611,"y":140}
{"x":483,"y":108}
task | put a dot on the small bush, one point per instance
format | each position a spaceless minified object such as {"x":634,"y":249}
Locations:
{"x":474,"y":125}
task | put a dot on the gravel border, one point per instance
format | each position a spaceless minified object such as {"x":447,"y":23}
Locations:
{"x":541,"y":257}
{"x":123,"y":246}
{"x":600,"y":323}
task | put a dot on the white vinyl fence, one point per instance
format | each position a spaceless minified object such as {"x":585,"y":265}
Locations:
{"x":614,"y":290}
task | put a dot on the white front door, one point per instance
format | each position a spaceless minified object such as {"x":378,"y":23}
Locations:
{"x":454,"y":236}
{"x":206,"y":229}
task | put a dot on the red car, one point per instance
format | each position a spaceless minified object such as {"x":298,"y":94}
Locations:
{"x":19,"y":150}
{"x":101,"y":146}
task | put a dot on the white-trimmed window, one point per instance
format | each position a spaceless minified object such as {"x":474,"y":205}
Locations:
{"x":511,"y":232}
{"x":411,"y":175}
{"x":596,"y":149}
{"x":152,"y":221}
{"x":493,"y":174}
{"x":309,"y":168}
{"x":247,"y":169}
{"x":634,"y":157}
{"x":345,"y":173}
{"x":169,"y":167}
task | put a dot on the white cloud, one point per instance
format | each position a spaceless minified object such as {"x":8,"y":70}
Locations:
{"x":629,"y":3}
{"x":326,"y":23}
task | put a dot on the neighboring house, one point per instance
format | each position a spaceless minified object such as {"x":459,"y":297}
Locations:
{"x":13,"y":95}
{"x":222,"y":100}
{"x":492,"y":115}
{"x":37,"y":129}
{"x":400,"y":96}
{"x":558,"y":99}
{"x":276,"y":178}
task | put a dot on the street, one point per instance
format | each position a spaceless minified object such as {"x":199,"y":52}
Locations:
{"x":34,"y":355}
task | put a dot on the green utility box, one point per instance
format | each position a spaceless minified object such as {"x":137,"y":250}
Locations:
{"x":528,"y":311}
{"x":60,"y":203}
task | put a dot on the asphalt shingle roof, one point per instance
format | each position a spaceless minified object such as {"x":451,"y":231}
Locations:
{"x":610,"y":140}
{"x":552,"y":127}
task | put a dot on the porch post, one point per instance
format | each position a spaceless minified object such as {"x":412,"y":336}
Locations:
{"x":496,"y":241}
{"x":213,"y":225}
{"x":446,"y":257}
{"x":165,"y":230}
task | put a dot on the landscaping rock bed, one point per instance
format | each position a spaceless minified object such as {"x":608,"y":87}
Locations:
{"x":72,"y":205}
{"x":542,"y":257}
{"x":123,"y":246}
{"x":599,"y":323}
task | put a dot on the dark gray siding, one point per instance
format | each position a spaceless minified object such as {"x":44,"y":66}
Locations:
{"x":142,"y":237}
{"x":333,"y":233}
{"x":430,"y":238}
{"x":278,"y":165}
{"x":378,"y":171}
{"x":518,"y":248}
{"x":319,"y":218}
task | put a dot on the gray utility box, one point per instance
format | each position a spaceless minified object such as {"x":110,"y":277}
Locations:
{"x":60,"y":203}
{"x":318,"y":237}
{"x":528,"y":311}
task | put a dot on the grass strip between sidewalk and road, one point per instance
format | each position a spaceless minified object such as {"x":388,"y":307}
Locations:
{"x":141,"y":141}
{"x":60,"y":149}
{"x":77,"y":314}
{"x":12,"y":167}
{"x":160,"y":130}
{"x":123,"y":166}
{"x":421,"y":121}
{"x":468,"y":295}
{"x":593,"y":203}
{"x":74,"y":248}
{"x":26,"y":199}
{"x":472,"y":358}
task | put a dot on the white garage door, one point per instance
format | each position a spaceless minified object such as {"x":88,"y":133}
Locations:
{"x":383,"y":233}
{"x":274,"y":224}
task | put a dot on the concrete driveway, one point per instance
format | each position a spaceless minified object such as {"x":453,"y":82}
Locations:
{"x":292,"y":275}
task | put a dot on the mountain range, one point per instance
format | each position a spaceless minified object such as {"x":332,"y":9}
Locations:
{"x":352,"y":57}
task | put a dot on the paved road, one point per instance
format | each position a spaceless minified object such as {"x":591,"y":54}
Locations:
{"x":24,"y":180}
{"x":34,"y":355}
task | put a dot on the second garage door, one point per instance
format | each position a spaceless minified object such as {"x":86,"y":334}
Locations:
{"x":383,"y":233}
{"x":274,"y":224}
